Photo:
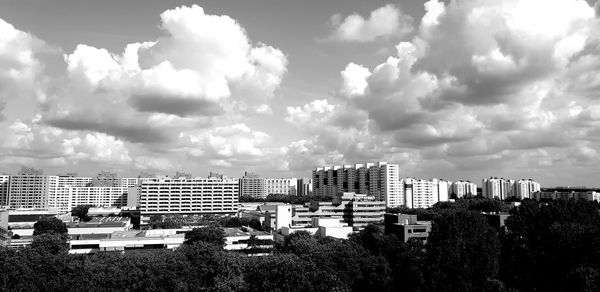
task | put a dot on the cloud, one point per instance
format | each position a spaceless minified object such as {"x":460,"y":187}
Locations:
{"x":153,"y":163}
{"x":228,"y":145}
{"x":26,"y":140}
{"x":483,"y":86}
{"x":96,"y":147}
{"x":200,"y":63}
{"x":184,"y":94}
{"x":384,"y":22}
{"x":21,"y":78}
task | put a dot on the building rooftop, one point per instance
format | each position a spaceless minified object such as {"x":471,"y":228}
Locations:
{"x":231,"y":232}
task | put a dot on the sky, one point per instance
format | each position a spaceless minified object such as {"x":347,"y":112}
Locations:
{"x":463,"y":89}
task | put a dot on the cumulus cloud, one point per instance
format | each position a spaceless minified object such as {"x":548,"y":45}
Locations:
{"x":384,"y":22}
{"x":228,"y":146}
{"x":203,"y":66}
{"x":26,"y":140}
{"x":153,"y":163}
{"x":200,"y":61}
{"x":96,"y":147}
{"x":21,"y":79}
{"x":155,"y":99}
{"x":481,"y":83}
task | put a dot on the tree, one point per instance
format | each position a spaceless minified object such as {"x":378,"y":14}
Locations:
{"x":233,"y":222}
{"x":50,"y":242}
{"x":371,"y":238}
{"x":212,"y":235}
{"x":81,"y":212}
{"x":300,"y":242}
{"x":168,"y":223}
{"x":463,"y":252}
{"x":544,"y":243}
{"x":50,"y":225}
{"x":255,"y":224}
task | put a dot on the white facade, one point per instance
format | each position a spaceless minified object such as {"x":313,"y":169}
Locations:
{"x":421,"y":193}
{"x":463,"y":188}
{"x":524,"y":189}
{"x":62,"y":192}
{"x":189,"y":196}
{"x":129,"y":182}
{"x":283,"y":216}
{"x":500,"y":188}
{"x":254,"y":187}
{"x":321,"y":227}
{"x":258,"y":187}
{"x":286,"y":186}
{"x":99,"y":196}
{"x":74,"y":181}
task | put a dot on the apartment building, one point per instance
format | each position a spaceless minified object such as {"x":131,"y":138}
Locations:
{"x":305,"y":187}
{"x":253,"y":185}
{"x":189,"y":196}
{"x":421,"y":193}
{"x":461,"y":189}
{"x":281,"y":186}
{"x":380,"y":180}
{"x":500,"y":188}
{"x":31,"y":190}
{"x":98,"y":196}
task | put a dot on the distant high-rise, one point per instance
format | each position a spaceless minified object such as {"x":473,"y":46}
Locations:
{"x":4,"y":190}
{"x":31,"y":190}
{"x":281,"y":186}
{"x":500,"y":188}
{"x":421,"y":193}
{"x":305,"y":187}
{"x":252,"y":185}
{"x":463,"y":189}
{"x":380,"y":180}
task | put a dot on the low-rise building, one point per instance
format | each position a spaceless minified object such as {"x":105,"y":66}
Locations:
{"x":126,"y":240}
{"x":98,"y":225}
{"x":357,"y":210}
{"x":241,"y":239}
{"x":321,"y":227}
{"x":567,"y":193}
{"x":406,"y":226}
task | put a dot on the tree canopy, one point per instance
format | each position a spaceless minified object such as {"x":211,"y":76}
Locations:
{"x":211,"y":235}
{"x":548,"y":246}
{"x":50,"y":225}
{"x":81,"y":212}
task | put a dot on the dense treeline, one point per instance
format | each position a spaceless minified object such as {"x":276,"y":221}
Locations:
{"x":544,"y":247}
